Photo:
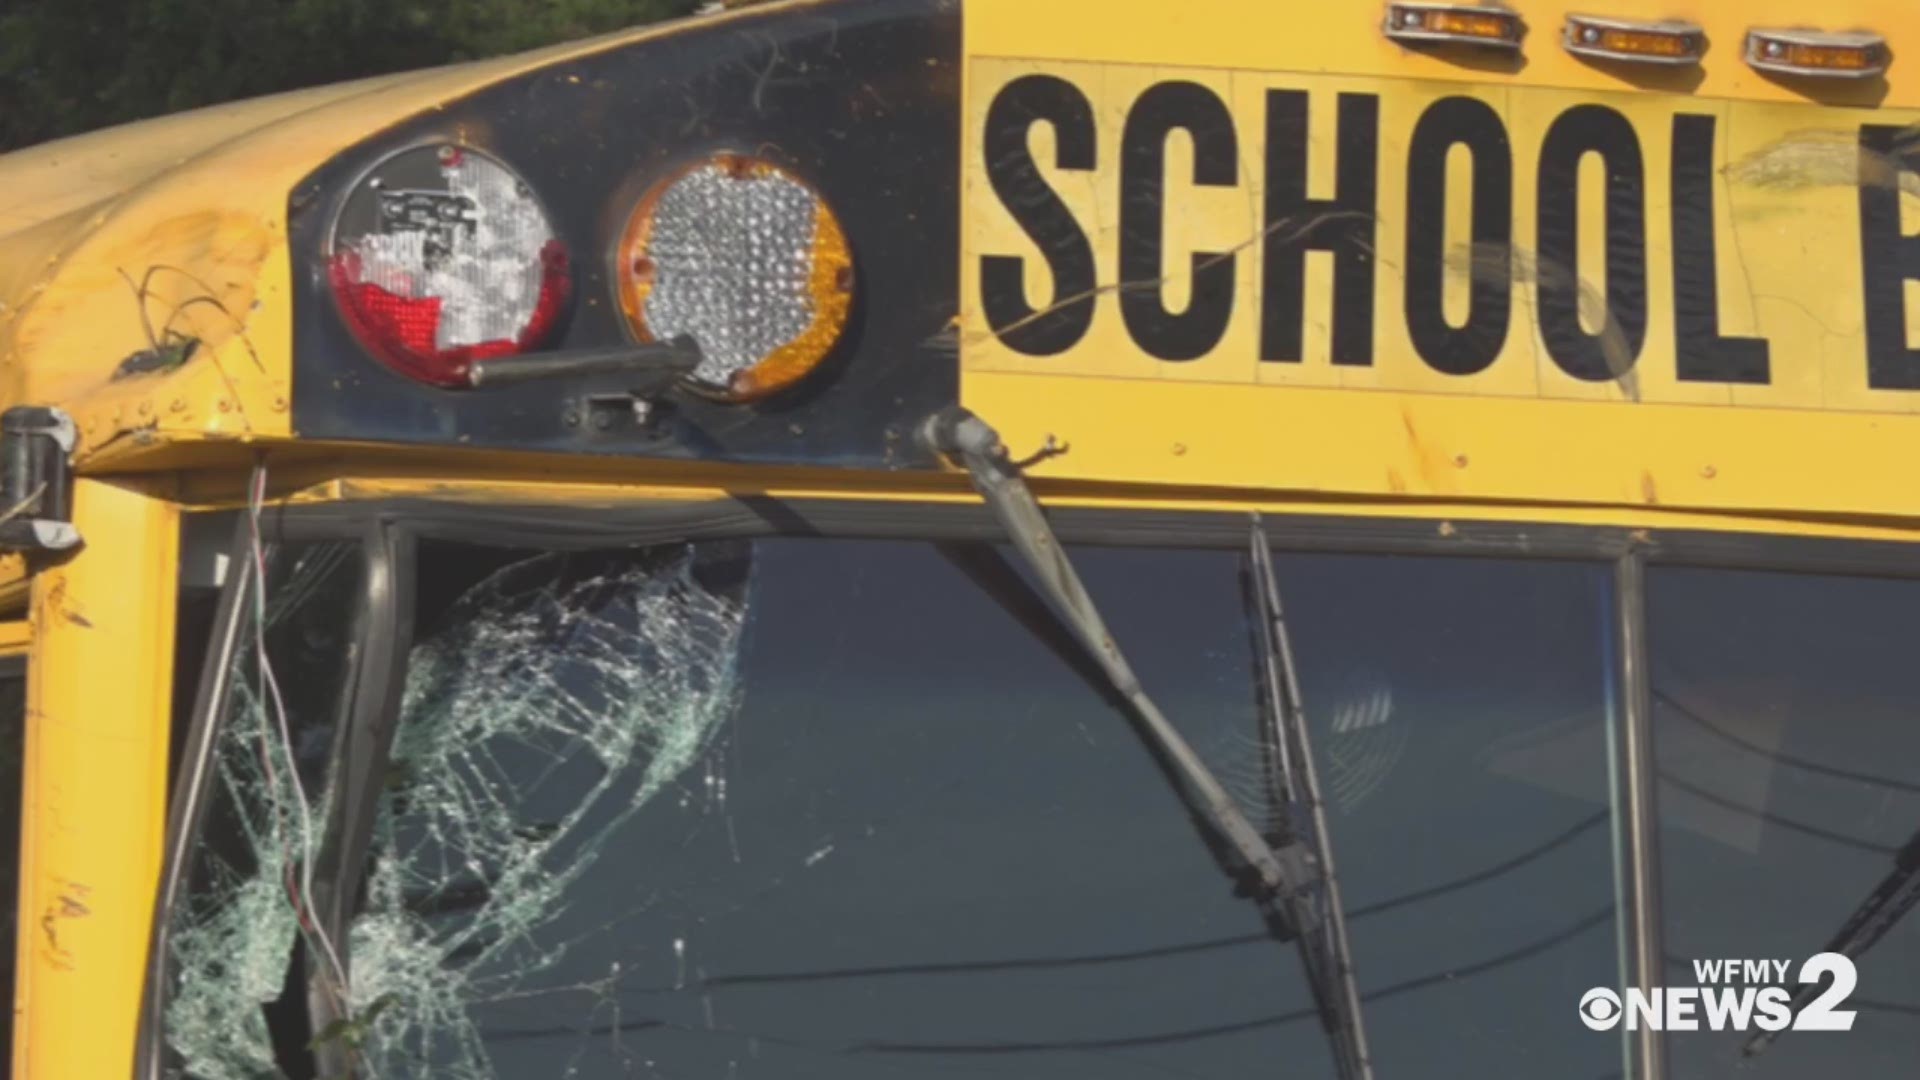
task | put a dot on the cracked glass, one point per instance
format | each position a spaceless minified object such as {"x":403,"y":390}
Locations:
{"x":235,"y":1009}
{"x":799,"y":807}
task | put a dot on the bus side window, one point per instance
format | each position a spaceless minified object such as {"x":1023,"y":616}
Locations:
{"x":13,"y":714}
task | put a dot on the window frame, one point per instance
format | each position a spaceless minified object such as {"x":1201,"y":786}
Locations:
{"x":372,"y":693}
{"x":389,"y":531}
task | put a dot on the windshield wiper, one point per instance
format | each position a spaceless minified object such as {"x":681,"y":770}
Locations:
{"x":1886,"y":905}
{"x":1293,"y":887}
{"x":1315,"y":913}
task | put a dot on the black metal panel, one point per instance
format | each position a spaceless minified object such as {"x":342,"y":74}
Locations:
{"x":860,"y":97}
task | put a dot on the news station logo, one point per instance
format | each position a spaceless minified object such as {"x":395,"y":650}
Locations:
{"x":1732,"y":995}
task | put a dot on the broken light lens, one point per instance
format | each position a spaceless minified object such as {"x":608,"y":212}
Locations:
{"x":746,"y":259}
{"x":442,"y":256}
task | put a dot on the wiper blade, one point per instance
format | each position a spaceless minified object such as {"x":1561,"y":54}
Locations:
{"x":1889,"y":902}
{"x":1292,"y":886}
{"x":1314,"y":912}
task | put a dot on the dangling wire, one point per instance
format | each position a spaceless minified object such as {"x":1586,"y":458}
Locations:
{"x":299,"y":894}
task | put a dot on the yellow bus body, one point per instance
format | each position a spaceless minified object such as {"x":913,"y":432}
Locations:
{"x":183,"y":221}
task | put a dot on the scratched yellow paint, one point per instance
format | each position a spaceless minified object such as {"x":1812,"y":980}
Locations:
{"x":1788,"y":257}
{"x":1814,"y":439}
{"x":99,"y":702}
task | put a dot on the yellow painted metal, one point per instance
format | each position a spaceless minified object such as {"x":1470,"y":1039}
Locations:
{"x":110,"y":241}
{"x":159,"y":203}
{"x":1815,"y":440}
{"x":13,"y":586}
{"x":1344,"y":36}
{"x":1789,"y":241}
{"x":194,"y":207}
{"x":612,"y":492}
{"x":1471,"y":449}
{"x":99,"y":697}
{"x":55,"y":179}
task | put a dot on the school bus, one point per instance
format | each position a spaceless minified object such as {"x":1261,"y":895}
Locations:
{"x":913,"y":537}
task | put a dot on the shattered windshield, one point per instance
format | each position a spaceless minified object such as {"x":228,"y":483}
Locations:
{"x":233,"y":938}
{"x":807,"y":807}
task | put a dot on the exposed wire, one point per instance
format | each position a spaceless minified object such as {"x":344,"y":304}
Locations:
{"x":300,"y":895}
{"x":30,"y":502}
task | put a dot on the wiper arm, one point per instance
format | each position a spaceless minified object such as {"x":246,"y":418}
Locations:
{"x":1287,"y":878}
{"x":1315,"y":912}
{"x":977,"y":447}
{"x":1888,"y":903}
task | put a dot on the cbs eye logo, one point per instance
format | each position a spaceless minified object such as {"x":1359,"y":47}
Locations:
{"x":1600,"y":1008}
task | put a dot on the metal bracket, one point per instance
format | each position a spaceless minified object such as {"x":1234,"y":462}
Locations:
{"x":36,"y":479}
{"x":649,"y":370}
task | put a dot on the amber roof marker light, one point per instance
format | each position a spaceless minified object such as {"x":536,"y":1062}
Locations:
{"x":1454,"y":24}
{"x":745,"y":259}
{"x":1669,"y":42}
{"x":1852,"y":54}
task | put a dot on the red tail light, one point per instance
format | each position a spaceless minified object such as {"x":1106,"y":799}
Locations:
{"x":442,"y":256}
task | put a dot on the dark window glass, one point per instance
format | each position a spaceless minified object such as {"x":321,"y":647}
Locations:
{"x":1788,"y":747}
{"x":832,"y":808}
{"x":1463,"y":726}
{"x":13,"y":736}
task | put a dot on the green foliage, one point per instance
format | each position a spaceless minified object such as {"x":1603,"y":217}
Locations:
{"x":72,"y":65}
